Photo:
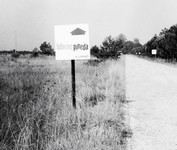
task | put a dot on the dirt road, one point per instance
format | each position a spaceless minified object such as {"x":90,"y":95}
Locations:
{"x":151,"y":89}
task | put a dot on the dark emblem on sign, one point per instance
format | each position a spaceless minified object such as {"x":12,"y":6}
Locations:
{"x":78,"y":31}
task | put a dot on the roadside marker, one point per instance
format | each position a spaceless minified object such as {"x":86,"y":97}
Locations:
{"x":154,"y":52}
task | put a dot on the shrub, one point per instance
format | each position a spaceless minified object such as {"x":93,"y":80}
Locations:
{"x":95,"y":51}
{"x":110,"y":48}
{"x":15,"y":54}
{"x":47,"y":49}
{"x":35,"y":53}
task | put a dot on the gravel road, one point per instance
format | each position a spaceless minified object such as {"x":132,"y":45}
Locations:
{"x":151,"y":89}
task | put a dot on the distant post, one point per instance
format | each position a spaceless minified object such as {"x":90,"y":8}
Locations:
{"x":15,"y":40}
{"x":72,"y":43}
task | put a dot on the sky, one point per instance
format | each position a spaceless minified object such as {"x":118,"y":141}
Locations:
{"x":32,"y":21}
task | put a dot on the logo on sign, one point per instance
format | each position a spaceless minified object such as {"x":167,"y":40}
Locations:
{"x":78,"y":31}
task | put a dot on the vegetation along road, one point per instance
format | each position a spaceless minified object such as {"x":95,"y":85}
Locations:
{"x":151,"y":89}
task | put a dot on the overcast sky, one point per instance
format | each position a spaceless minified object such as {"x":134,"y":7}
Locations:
{"x":33,"y":20}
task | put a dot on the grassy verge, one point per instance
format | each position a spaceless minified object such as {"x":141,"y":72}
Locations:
{"x":168,"y":62}
{"x":36,"y":110}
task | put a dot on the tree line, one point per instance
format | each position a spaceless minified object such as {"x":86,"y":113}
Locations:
{"x":165,"y":43}
{"x":113,"y":47}
{"x":45,"y":49}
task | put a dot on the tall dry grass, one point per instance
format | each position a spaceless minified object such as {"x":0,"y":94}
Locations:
{"x":36,"y":108}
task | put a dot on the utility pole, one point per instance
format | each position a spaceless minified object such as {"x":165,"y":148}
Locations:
{"x":15,"y":41}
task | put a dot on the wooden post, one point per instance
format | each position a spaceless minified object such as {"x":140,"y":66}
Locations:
{"x":73,"y":83}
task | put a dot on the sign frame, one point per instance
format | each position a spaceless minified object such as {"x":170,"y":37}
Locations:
{"x":75,"y":41}
{"x":72,"y":42}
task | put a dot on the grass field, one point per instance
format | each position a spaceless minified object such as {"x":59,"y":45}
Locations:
{"x":36,"y":110}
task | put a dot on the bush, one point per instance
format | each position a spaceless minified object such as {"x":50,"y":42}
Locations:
{"x":95,"y":51}
{"x":35,"y":53}
{"x":47,"y":49}
{"x":110,"y":48}
{"x":15,"y":54}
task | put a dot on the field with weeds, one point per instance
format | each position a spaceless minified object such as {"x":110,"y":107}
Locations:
{"x":36,"y":110}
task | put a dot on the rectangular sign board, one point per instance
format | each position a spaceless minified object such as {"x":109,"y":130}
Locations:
{"x":72,"y":42}
{"x":154,"y":51}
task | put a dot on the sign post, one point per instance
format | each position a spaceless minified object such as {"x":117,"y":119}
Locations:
{"x":73,"y":83}
{"x":72,"y":43}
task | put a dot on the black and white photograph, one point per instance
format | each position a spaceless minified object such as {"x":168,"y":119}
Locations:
{"x":88,"y":74}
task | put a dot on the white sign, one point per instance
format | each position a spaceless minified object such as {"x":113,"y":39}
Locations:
{"x":72,"y":42}
{"x":154,"y":51}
